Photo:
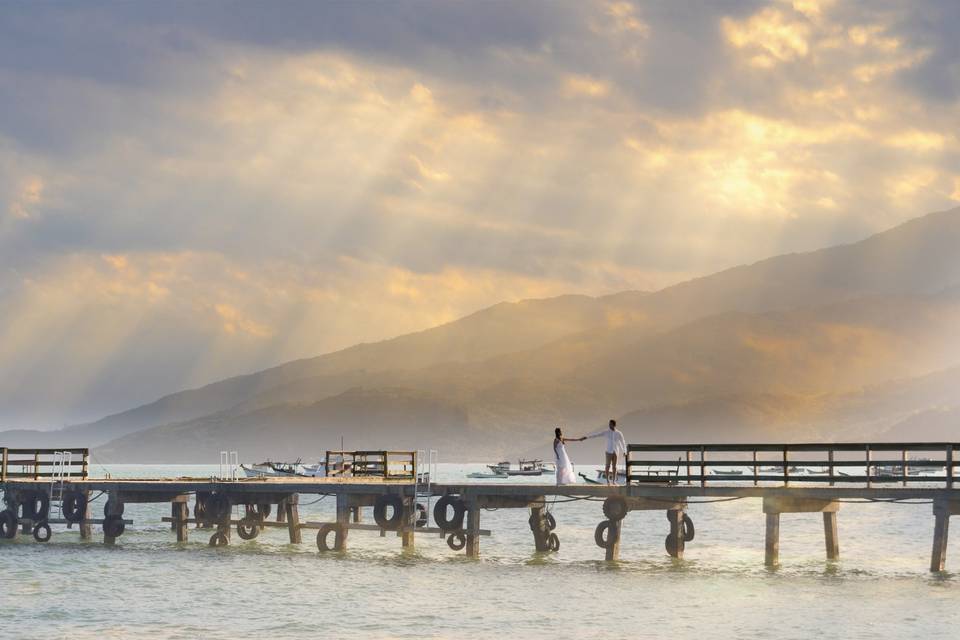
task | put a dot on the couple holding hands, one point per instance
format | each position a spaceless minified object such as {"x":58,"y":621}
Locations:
{"x":615,"y":445}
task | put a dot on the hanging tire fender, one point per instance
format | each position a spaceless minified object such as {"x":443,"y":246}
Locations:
{"x":380,"y":511}
{"x":114,"y":526}
{"x":219,"y":539}
{"x":8,"y":524}
{"x":323,"y":537}
{"x":248,"y":528}
{"x":615,"y":508}
{"x":606,"y":534}
{"x":688,"y":529}
{"x":41,"y":532}
{"x":457,"y":540}
{"x":422,"y":516}
{"x":440,"y":513}
{"x":75,"y":506}
{"x":553,"y":542}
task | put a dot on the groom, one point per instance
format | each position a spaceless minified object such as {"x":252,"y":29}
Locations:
{"x":615,"y":444}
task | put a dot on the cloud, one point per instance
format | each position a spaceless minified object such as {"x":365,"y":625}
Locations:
{"x":255,"y":184}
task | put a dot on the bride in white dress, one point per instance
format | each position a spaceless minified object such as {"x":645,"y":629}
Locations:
{"x":565,"y":473}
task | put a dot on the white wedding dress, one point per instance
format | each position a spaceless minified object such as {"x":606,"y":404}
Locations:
{"x":565,"y":473}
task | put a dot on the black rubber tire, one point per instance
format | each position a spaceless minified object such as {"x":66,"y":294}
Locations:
{"x":380,"y":512}
{"x":25,"y":509}
{"x":114,"y":526}
{"x":606,"y":534}
{"x":553,"y":542}
{"x":323,"y":535}
{"x":440,"y":513}
{"x":670,"y":543}
{"x":688,"y":530}
{"x":200,"y":511}
{"x":42,"y":532}
{"x":8,"y":524}
{"x":422,"y":516}
{"x":110,"y":510}
{"x":457,"y":540}
{"x":615,"y":508}
{"x":216,"y":507}
{"x":219,"y":539}
{"x":550,"y":521}
{"x":248,"y":529}
{"x":75,"y":506}
{"x":34,"y":505}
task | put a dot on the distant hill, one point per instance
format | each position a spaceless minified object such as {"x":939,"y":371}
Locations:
{"x":749,"y":346}
{"x":367,"y":419}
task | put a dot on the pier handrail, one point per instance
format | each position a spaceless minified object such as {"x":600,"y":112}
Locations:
{"x":41,"y":463}
{"x":814,"y":462}
{"x":391,"y":465}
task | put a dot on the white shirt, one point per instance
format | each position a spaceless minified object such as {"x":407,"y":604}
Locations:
{"x":615,"y":441}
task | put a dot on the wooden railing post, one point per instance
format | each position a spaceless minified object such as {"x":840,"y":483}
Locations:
{"x":36,"y":465}
{"x":869,"y":457}
{"x":3,"y":470}
{"x":949,"y":466}
{"x":688,"y":466}
{"x":754,"y":467}
{"x":786,"y":466}
{"x":703,"y":467}
{"x":903,"y":466}
{"x":830,"y":460}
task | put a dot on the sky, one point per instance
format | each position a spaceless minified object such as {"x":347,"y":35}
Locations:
{"x":191,"y":190}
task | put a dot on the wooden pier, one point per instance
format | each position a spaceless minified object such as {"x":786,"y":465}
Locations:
{"x":806,"y":478}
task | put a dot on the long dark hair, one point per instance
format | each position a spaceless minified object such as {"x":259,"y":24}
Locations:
{"x":557,"y":432}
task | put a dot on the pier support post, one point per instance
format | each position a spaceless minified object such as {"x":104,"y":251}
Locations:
{"x":473,"y":528}
{"x":830,"y":537}
{"x":771,"y":556}
{"x":343,"y":518}
{"x":773,"y":506}
{"x":942,"y":510}
{"x":538,"y":525}
{"x":180,"y":513}
{"x":282,"y":510}
{"x":113,"y":507}
{"x":409,"y":522}
{"x":86,"y":531}
{"x":291,"y":505}
{"x":675,"y":539}
{"x":613,"y":550}
{"x":356,"y":513}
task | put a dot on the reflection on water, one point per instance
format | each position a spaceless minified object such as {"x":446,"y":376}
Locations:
{"x":148,"y":585}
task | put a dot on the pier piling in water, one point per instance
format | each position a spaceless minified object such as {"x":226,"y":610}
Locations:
{"x":773,"y":506}
{"x":943,"y":508}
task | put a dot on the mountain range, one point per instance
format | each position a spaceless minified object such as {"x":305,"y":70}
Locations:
{"x":850,"y":342}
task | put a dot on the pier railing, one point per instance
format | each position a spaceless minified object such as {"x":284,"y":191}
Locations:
{"x":43,"y":463}
{"x":836,"y":463}
{"x":391,"y":465}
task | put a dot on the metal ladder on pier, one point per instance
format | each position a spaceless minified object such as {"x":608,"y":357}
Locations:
{"x":424,"y":479}
{"x":62,"y":468}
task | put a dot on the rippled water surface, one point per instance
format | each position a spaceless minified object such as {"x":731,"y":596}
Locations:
{"x":150,"y":586}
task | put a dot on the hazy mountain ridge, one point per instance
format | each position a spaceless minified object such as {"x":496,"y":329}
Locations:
{"x":815,"y":331}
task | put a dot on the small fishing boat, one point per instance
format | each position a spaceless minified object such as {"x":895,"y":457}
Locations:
{"x":727,"y":472}
{"x":816,"y":471}
{"x":270,"y":469}
{"x":602,"y":477}
{"x":523,"y":468}
{"x":482,"y":474}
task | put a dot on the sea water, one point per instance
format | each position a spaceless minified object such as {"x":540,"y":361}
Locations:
{"x":149,"y":586}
